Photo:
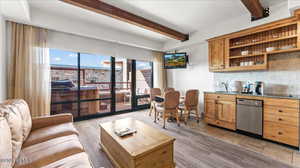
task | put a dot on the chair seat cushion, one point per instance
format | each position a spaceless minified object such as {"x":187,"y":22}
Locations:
{"x":47,"y":152}
{"x":79,"y":160}
{"x":47,"y":133}
{"x":159,"y":107}
{"x":181,"y":106}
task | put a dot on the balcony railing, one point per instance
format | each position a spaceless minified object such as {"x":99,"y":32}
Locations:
{"x":119,"y":85}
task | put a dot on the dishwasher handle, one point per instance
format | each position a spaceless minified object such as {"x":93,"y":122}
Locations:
{"x":250,"y":102}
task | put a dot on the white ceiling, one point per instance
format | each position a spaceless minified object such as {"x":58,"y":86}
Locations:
{"x":186,"y":16}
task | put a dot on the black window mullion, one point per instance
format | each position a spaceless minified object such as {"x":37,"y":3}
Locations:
{"x":133,"y":85}
{"x":152,"y":75}
{"x":113,"y":85}
{"x":78,"y":84}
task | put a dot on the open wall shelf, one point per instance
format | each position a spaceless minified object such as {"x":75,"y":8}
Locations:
{"x":250,"y":51}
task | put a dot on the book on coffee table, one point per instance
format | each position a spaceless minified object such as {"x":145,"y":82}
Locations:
{"x":124,"y":131}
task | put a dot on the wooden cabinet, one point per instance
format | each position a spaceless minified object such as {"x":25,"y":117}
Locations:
{"x":280,"y":116}
{"x":281,"y":120}
{"x":210,"y":109}
{"x":220,"y":110}
{"x":216,"y":54}
{"x":226,"y":111}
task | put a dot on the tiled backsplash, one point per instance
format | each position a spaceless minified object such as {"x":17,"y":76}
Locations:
{"x":283,"y":76}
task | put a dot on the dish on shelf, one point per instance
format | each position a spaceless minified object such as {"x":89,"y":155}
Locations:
{"x":245,"y":52}
{"x":269,"y":49}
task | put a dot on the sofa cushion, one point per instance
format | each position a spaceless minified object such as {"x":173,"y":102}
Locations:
{"x":47,"y":133}
{"x":5,"y":144}
{"x":20,"y":106}
{"x":14,"y":121}
{"x":50,"y":151}
{"x":79,"y":160}
{"x":23,"y":109}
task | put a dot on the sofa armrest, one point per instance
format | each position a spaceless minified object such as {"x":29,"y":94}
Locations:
{"x":45,"y":121}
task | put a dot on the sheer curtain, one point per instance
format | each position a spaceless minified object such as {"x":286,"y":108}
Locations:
{"x":160,"y":74}
{"x":29,"y":68}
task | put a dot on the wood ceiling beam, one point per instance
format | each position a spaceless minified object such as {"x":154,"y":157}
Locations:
{"x":254,"y":7}
{"x":106,"y":9}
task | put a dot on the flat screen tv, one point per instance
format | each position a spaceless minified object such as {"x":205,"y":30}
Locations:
{"x":175,"y":60}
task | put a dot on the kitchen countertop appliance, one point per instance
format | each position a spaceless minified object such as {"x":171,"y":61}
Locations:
{"x":259,"y":88}
{"x":250,"y":116}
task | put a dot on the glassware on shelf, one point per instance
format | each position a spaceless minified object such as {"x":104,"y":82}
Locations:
{"x":246,"y":52}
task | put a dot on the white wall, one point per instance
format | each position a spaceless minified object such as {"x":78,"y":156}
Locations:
{"x":293,"y":5}
{"x":3,"y":60}
{"x":197,"y":74}
{"x":75,"y":43}
{"x":15,"y":9}
{"x":78,"y":27}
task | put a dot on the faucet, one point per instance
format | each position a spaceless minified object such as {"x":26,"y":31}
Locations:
{"x":225,"y":84}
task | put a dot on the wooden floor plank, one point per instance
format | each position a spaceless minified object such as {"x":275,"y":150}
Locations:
{"x":197,"y":146}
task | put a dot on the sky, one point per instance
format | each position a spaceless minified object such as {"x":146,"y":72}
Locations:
{"x":60,"y":57}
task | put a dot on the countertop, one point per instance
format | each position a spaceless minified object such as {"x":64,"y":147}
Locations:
{"x":296,"y":97}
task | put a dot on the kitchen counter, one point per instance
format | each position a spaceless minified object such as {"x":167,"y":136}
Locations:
{"x":295,"y":97}
{"x":279,"y":114}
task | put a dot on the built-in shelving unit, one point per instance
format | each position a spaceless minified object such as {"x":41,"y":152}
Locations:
{"x":249,"y":52}
{"x":249,"y":49}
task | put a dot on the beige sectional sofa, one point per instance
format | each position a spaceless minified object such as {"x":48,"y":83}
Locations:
{"x":47,"y":142}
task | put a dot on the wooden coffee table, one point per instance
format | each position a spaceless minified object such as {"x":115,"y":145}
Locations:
{"x":147,"y":148}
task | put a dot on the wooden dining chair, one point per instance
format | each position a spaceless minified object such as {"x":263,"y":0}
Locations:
{"x":168,"y":90}
{"x":153,"y":92}
{"x":169,"y":108}
{"x":190,"y":104}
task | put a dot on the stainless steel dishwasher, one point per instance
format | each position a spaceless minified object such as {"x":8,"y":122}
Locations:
{"x":250,"y":115}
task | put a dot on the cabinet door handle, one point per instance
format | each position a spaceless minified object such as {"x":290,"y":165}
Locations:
{"x":280,"y":111}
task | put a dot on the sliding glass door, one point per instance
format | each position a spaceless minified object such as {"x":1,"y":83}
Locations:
{"x":95,"y":84}
{"x":144,"y":82}
{"x":64,"y":82}
{"x":123,"y":76}
{"x":90,"y":85}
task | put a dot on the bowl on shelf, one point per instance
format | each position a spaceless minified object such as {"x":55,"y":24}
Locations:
{"x":269,"y":49}
{"x":245,"y":52}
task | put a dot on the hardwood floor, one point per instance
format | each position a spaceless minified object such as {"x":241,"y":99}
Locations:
{"x":198,"y":146}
